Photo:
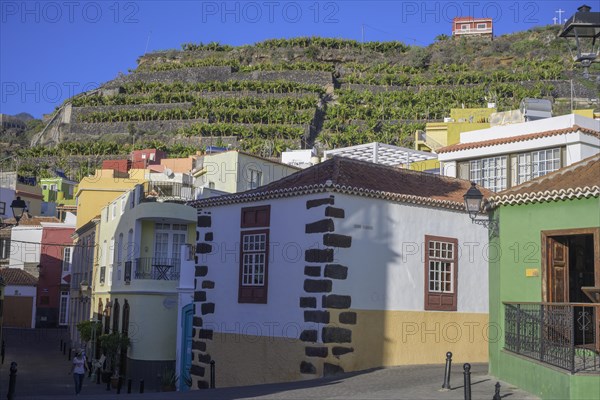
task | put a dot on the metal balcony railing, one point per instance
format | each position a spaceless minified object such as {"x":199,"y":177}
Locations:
{"x":564,"y":335}
{"x":166,"y":269}
{"x":170,"y":190}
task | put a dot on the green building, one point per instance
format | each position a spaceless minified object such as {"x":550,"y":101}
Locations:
{"x":545,"y":284}
{"x":58,"y":195}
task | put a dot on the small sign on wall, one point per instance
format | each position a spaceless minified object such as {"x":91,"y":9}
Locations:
{"x":532,"y":272}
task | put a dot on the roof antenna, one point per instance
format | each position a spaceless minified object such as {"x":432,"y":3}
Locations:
{"x":147,"y":41}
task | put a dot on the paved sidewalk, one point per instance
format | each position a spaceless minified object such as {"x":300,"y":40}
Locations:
{"x":43,"y":376}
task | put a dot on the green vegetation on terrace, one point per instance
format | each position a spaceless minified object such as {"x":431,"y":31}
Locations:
{"x":279,"y":86}
{"x":243,"y":100}
{"x":265,"y":115}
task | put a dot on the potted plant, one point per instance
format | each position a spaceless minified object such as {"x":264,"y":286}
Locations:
{"x":111,"y":344}
{"x":168,"y":380}
{"x":86,"y":333}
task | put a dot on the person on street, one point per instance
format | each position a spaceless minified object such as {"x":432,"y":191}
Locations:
{"x":78,"y":370}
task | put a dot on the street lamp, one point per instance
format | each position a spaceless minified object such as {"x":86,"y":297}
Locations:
{"x":18,"y":208}
{"x":584,"y":26}
{"x":474,"y":203}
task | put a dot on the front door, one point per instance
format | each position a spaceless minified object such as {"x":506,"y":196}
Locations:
{"x":186,"y":347}
{"x":558,"y":271}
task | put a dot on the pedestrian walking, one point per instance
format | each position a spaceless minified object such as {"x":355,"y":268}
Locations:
{"x":78,"y":370}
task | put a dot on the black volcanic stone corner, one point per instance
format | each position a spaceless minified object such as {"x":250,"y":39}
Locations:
{"x":197,"y":370}
{"x":335,"y":240}
{"x":208,"y":285}
{"x":204,"y":221}
{"x":318,"y":255}
{"x":198,"y":345}
{"x":204,"y":358}
{"x":335,"y":271}
{"x":317,"y":285}
{"x":348,"y":318}
{"x":208,"y":237}
{"x":202,"y":385}
{"x":201,"y":270}
{"x":207,"y":308}
{"x":197,"y":321}
{"x":330,"y":369}
{"x":324,"y":225}
{"x":205,"y":334}
{"x":316,"y":351}
{"x":309,"y":335}
{"x":312,"y":270}
{"x":320,"y":317}
{"x":336,"y":335}
{"x":308,"y":302}
{"x":200,"y":296}
{"x":319,"y":202}
{"x":337,"y":301}
{"x":307,"y":368}
{"x":334,"y":212}
{"x":203,"y":248}
{"x":340,"y":351}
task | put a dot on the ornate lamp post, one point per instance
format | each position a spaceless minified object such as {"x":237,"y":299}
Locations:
{"x":584,"y":26}
{"x":18,"y":207}
{"x":474,"y":204}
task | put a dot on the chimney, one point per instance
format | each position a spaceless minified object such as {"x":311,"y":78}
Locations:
{"x":584,"y":8}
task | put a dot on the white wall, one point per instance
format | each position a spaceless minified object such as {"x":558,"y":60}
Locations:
{"x":281,"y":316}
{"x":6,"y":196}
{"x":25,"y":245}
{"x":386,"y":262}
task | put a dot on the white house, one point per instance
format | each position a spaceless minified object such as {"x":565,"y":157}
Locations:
{"x":504,"y":156}
{"x":344,"y":266}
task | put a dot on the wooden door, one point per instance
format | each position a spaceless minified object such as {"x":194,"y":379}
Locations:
{"x":558,"y":271}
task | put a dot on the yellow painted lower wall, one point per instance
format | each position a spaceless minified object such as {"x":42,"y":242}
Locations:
{"x":389,"y":338}
{"x":251,"y":360}
{"x":380,"y":338}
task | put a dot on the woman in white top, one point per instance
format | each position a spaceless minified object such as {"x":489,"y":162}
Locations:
{"x":78,"y":370}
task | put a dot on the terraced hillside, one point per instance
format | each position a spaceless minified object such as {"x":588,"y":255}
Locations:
{"x":304,"y":92}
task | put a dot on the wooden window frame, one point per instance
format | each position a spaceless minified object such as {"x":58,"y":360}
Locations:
{"x":429,"y":303}
{"x":260,"y":219}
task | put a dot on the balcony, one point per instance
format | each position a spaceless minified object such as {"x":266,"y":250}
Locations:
{"x":169,"y":191}
{"x":564,"y":335}
{"x":149,"y":268}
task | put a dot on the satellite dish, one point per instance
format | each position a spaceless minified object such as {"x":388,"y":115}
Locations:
{"x":168,"y":172}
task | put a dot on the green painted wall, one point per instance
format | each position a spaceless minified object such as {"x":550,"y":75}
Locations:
{"x":518,"y":248}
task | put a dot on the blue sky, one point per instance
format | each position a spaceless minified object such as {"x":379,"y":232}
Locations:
{"x":50,"y":50}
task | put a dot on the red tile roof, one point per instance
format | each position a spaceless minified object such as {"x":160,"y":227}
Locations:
{"x":17,"y":277}
{"x":520,"y":138}
{"x":578,"y":180}
{"x":350,"y":176}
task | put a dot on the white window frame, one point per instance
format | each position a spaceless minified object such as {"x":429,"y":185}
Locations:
{"x":529,"y":164}
{"x":2,"y":207}
{"x":67,"y":259}
{"x":63,"y":309}
{"x":465,"y":27}
{"x":481,"y":26}
{"x":490,"y":172}
{"x":254,"y":258}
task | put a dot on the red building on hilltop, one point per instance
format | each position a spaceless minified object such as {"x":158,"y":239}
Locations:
{"x":469,"y":26}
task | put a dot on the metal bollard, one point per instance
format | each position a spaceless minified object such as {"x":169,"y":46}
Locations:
{"x":69,"y":357}
{"x":98,"y":373}
{"x":119,"y":384}
{"x":129,"y":386}
{"x":467,"y":373}
{"x":61,"y":344}
{"x":108,"y":383}
{"x":497,"y":392}
{"x":446,"y":384}
{"x":12,"y":381}
{"x":212,"y":374}
{"x":64,"y":349}
{"x":3,"y":351}
{"x":141,"y":386}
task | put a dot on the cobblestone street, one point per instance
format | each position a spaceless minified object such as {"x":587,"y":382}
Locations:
{"x":43,"y":374}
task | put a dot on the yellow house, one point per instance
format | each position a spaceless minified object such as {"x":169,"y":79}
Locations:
{"x":142,"y":240}
{"x":441,"y":134}
{"x":104,"y":186}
